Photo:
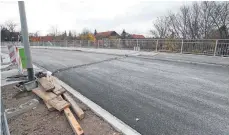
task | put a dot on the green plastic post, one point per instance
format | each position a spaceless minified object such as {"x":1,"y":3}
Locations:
{"x":23,"y":58}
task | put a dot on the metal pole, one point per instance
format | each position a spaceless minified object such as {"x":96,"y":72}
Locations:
{"x":24,"y":30}
{"x":156,"y":45}
{"x":1,"y":37}
{"x":182,"y":44}
{"x":98,"y":43}
{"x":137,"y":42}
{"x":216,"y":44}
{"x":1,"y":43}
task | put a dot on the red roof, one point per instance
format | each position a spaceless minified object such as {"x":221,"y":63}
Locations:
{"x":104,"y":34}
{"x":46,"y":38}
{"x":137,"y":36}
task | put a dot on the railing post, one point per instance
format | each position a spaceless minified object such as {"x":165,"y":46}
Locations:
{"x":216,"y":44}
{"x":182,"y":44}
{"x":98,"y":43}
{"x":88,"y":43}
{"x":156,"y":45}
{"x":66,"y":43}
{"x":137,"y":42}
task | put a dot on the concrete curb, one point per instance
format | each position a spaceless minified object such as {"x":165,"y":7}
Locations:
{"x":84,"y":50}
{"x":183,"y":61}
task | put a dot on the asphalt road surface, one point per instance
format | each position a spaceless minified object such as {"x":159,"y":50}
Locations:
{"x":153,"y":96}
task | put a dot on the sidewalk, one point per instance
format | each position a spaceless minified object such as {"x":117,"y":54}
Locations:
{"x":94,"y":50}
{"x":191,"y":58}
{"x":176,"y":57}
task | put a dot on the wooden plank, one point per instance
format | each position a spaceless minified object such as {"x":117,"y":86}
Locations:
{"x":79,"y":112}
{"x":52,"y":99}
{"x":46,"y":84}
{"x":58,"y":103}
{"x":73,"y":122}
{"x":44,"y":95}
{"x":58,"y":90}
{"x":50,"y":108}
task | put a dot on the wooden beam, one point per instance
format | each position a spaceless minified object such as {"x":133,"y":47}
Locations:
{"x":58,"y":103}
{"x":58,"y":90}
{"x":79,"y":112}
{"x":46,"y":84}
{"x":44,"y":95}
{"x":50,"y":108}
{"x":52,"y":99}
{"x":73,"y":122}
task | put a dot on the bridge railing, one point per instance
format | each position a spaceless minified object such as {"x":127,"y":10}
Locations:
{"x":216,"y":47}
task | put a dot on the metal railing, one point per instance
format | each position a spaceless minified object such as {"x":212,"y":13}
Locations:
{"x":216,"y":47}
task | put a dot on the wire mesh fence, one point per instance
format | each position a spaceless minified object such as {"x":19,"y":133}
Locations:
{"x":216,"y":47}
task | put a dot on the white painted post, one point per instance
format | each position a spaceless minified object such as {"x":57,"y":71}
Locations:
{"x":182,"y":44}
{"x":216,"y":44}
{"x":109,"y":43}
{"x":156,"y":45}
{"x":98,"y":43}
{"x":120,"y":44}
{"x":137,"y":42}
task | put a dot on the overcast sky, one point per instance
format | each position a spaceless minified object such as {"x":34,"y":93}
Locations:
{"x":135,"y":16}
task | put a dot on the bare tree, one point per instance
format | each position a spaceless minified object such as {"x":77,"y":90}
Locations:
{"x":174,"y":25}
{"x":220,"y":17}
{"x":35,"y":34}
{"x":74,"y":33}
{"x":200,"y":20}
{"x":161,"y":27}
{"x":205,"y":19}
{"x":54,"y":31}
{"x":193,"y":21}
{"x":10,"y":25}
{"x":179,"y":22}
{"x":85,"y":31}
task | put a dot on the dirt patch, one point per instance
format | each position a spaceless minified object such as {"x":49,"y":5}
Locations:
{"x":92,"y":120}
{"x":40,"y":121}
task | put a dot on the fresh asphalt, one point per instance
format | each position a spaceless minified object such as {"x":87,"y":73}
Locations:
{"x":154,"y":95}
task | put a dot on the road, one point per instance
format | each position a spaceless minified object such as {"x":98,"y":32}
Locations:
{"x":153,"y":96}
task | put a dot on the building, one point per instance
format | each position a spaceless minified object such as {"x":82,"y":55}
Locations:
{"x":107,"y":35}
{"x":135,"y":36}
{"x":41,"y":38}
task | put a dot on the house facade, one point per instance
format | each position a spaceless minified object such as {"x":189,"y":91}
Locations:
{"x":107,"y":35}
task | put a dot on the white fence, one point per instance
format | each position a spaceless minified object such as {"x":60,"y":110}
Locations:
{"x":216,"y":47}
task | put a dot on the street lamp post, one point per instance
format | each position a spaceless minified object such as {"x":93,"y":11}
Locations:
{"x":24,"y":30}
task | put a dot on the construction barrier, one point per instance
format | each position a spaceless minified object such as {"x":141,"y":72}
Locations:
{"x":12,"y":54}
{"x":17,"y":57}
